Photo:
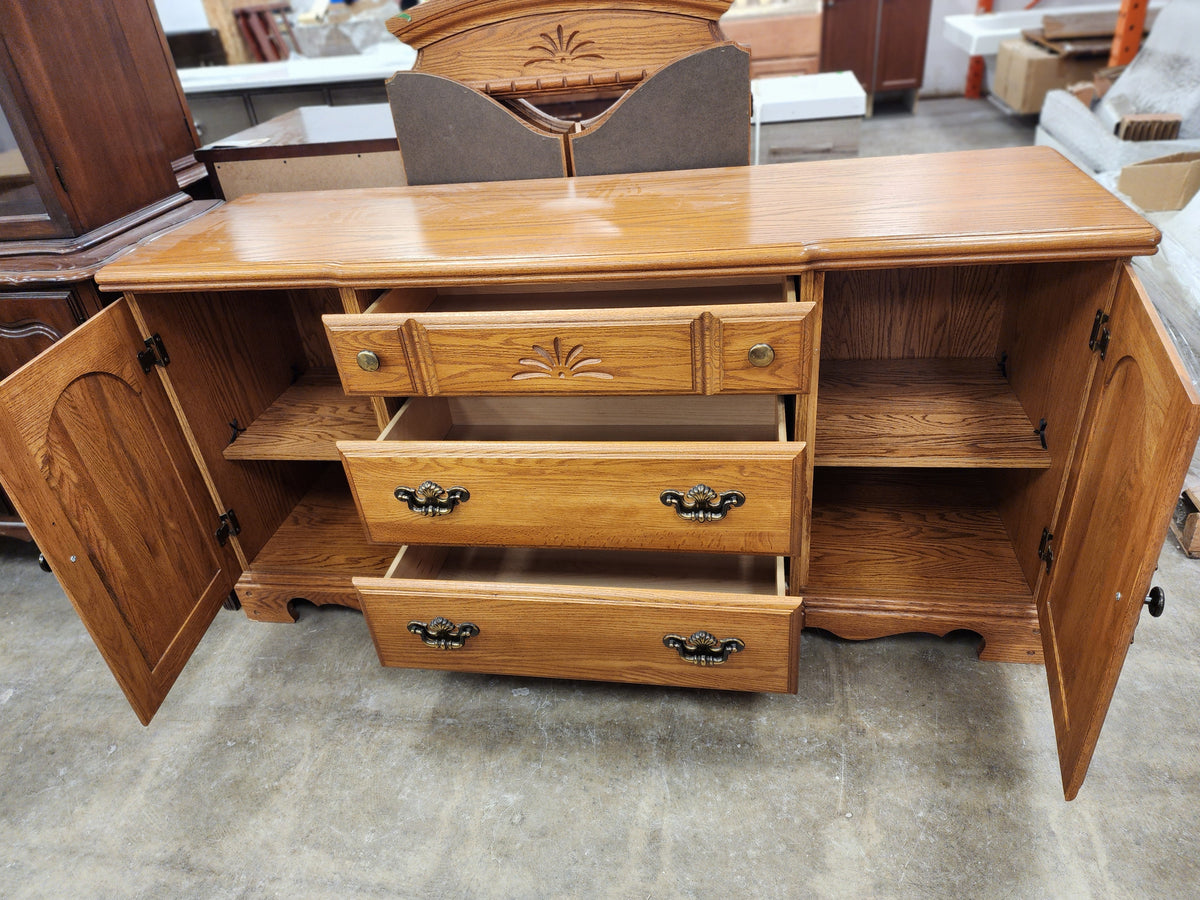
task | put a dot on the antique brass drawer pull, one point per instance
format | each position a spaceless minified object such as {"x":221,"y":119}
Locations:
{"x":444,"y":634}
{"x":702,"y":649}
{"x":702,"y":503}
{"x":431,"y":499}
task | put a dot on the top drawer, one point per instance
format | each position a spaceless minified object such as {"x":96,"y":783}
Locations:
{"x":736,"y":337}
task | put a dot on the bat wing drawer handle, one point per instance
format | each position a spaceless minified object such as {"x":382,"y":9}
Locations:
{"x":430,"y":499}
{"x":701,"y":503}
{"x":444,"y":634}
{"x":702,"y":649}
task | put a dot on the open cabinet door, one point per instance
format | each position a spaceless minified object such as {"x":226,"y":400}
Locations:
{"x":96,"y":462}
{"x":1142,"y":426}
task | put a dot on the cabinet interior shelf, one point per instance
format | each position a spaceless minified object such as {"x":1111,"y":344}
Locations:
{"x":306,"y":422}
{"x":946,"y":413}
{"x":323,"y":537}
{"x":932,"y":539}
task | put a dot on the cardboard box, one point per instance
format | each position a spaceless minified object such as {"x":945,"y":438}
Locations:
{"x":1025,"y":72}
{"x":1166,"y":182}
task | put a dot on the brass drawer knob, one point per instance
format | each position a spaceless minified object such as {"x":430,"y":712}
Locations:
{"x":702,"y":649}
{"x":444,"y":634}
{"x":701,"y":503}
{"x":761,"y":355}
{"x":368,"y":361}
{"x":430,"y":499}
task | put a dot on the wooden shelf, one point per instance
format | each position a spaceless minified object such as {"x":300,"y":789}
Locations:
{"x":896,"y":551}
{"x":922,"y":412}
{"x":307,"y":421}
{"x":313,"y":555}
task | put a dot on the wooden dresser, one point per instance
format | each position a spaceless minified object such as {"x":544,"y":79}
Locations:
{"x":655,"y":424}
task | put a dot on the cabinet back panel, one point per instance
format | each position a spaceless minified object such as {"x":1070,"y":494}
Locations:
{"x":952,"y":311}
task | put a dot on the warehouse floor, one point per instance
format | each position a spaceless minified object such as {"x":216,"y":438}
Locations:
{"x":287,"y":763}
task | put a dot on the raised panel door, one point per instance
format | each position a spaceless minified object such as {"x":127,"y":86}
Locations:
{"x":1142,"y":423}
{"x":98,"y":465}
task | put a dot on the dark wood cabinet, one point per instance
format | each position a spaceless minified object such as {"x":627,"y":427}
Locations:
{"x":881,"y":41}
{"x":95,"y":129}
{"x":96,"y":148}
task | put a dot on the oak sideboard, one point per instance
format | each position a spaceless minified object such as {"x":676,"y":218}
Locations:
{"x":634,"y":428}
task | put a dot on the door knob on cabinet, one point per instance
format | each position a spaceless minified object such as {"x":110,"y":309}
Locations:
{"x":761,"y":355}
{"x":1157,"y":601}
{"x":430,"y":499}
{"x":368,"y":361}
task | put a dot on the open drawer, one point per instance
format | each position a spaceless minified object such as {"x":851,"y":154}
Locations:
{"x":531,"y":472}
{"x":705,"y":337}
{"x":694,"y":620}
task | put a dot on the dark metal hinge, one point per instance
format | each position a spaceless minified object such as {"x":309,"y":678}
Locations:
{"x":1002,"y":362}
{"x":62,"y":180}
{"x":234,"y":430}
{"x":1100,"y":334}
{"x":1045,"y":550}
{"x":155,"y":354}
{"x":229,"y":525}
{"x":1040,"y":431}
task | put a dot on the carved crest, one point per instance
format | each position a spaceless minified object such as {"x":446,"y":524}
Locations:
{"x":561,"y":47}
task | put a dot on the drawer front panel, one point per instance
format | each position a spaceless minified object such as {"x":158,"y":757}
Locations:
{"x":600,"y":495}
{"x":588,"y":633}
{"x":669,"y":350}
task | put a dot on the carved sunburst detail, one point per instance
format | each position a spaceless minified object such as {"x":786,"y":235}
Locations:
{"x":561,"y":47}
{"x":555,"y":365}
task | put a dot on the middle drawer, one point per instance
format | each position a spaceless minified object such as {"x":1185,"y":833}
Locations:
{"x":532,"y":472}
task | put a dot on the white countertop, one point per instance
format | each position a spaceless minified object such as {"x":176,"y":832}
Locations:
{"x":379,"y":62}
{"x":980,"y":35}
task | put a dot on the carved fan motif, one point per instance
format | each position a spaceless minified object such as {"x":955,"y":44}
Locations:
{"x":561,"y":48}
{"x":556,"y":366}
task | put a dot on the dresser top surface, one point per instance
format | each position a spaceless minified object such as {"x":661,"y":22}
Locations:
{"x":981,"y":206}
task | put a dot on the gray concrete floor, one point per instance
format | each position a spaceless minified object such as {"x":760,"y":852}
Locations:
{"x":287,"y":763}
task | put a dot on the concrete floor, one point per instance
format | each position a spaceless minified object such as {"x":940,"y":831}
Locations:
{"x":287,"y":763}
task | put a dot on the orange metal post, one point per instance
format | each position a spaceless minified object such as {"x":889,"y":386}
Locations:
{"x":975,"y":68}
{"x":1131,"y":22}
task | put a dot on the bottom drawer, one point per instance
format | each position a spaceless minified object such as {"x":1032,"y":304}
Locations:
{"x":598,"y":616}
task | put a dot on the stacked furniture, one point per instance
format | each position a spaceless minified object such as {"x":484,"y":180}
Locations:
{"x":97,"y":145}
{"x":636,"y":427}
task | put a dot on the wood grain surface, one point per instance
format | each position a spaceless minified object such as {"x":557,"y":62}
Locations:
{"x":922,"y":412}
{"x":641,"y":350}
{"x":762,"y":219}
{"x":576,"y":494}
{"x":608,"y":634}
{"x":101,"y":471}
{"x":897,"y":551}
{"x":306,"y":422}
{"x":313,"y":555}
{"x":1142,"y":425}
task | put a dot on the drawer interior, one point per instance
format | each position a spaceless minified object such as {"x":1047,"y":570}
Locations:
{"x":688,"y":418}
{"x":720,"y":573}
{"x":587,"y":295}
